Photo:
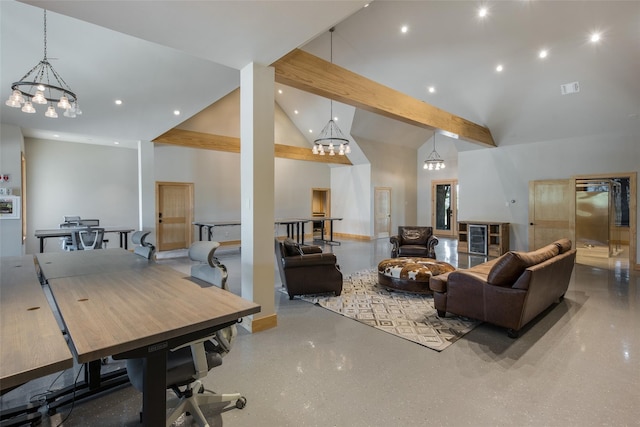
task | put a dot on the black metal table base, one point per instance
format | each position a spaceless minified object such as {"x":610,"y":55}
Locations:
{"x":25,"y":415}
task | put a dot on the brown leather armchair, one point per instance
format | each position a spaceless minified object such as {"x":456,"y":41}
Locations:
{"x":306,"y":269}
{"x":414,"y":241}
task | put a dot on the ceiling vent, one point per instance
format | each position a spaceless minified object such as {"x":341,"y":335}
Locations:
{"x":569,"y":88}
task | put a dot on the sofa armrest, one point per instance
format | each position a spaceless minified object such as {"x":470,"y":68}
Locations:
{"x":439,"y":283}
{"x":309,"y":260}
{"x":395,"y":242}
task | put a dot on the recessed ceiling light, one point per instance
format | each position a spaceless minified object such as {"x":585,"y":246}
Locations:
{"x":499,"y":68}
{"x":56,"y":136}
{"x":118,"y":101}
{"x":366,"y":5}
{"x":543,"y":53}
{"x":432,"y":89}
{"x":176,"y":112}
{"x":482,"y":12}
{"x":335,"y":119}
{"x":404,"y":29}
{"x":295,"y":111}
{"x":310,"y":130}
{"x":595,"y":37}
{"x":116,"y":142}
{"x":280,"y":91}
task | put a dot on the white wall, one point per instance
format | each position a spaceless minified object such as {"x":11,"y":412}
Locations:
{"x":93,"y":181}
{"x":216,"y":176}
{"x":11,"y":147}
{"x":352,"y":199}
{"x":490,"y":178}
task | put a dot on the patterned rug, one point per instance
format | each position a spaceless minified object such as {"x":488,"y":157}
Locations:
{"x":409,"y":316}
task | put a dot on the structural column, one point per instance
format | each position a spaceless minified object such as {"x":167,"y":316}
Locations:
{"x":257,"y":85}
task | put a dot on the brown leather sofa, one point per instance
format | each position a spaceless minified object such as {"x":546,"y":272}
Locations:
{"x":305,"y":269}
{"x":414,"y":241}
{"x":508,"y":291}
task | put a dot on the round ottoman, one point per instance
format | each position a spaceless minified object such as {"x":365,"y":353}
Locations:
{"x":410,"y":274}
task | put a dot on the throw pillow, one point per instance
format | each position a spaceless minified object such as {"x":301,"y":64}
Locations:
{"x":563,"y":244}
{"x":292,"y":248}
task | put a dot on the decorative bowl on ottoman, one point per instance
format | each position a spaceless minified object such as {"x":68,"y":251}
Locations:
{"x":410,"y":274}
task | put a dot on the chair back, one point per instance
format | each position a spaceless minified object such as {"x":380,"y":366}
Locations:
{"x":144,"y":248}
{"x":84,"y":239}
{"x":207,"y":268}
{"x":414,"y":235}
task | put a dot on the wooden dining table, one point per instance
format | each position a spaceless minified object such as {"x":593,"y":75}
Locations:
{"x":136,"y":311}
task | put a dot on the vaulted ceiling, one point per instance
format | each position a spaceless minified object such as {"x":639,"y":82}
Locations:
{"x":158,"y":57}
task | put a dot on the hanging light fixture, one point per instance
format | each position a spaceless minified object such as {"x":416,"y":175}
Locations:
{"x":434,"y":161}
{"x":43,"y":85}
{"x":331,"y":137}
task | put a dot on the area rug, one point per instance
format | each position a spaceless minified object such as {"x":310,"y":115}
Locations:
{"x":406,"y":315}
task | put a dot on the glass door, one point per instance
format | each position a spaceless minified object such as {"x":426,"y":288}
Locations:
{"x":444,"y":207}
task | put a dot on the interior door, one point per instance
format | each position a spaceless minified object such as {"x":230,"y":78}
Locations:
{"x":382,"y":212}
{"x":174,"y":215}
{"x":551,"y":211}
{"x":444,"y":207}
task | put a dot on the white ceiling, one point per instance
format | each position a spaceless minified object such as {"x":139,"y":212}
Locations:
{"x":162,"y":56}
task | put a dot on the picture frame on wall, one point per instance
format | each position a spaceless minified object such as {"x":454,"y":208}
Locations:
{"x":9,"y":207}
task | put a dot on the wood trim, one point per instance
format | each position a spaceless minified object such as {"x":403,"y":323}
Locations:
{"x":207,"y":141}
{"x":359,"y":237}
{"x":264,"y":323}
{"x":309,"y":73}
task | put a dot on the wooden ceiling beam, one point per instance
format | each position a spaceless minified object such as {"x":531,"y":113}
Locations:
{"x":207,"y":141}
{"x":309,"y":73}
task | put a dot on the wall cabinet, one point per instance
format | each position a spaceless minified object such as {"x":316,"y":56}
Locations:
{"x":483,"y":238}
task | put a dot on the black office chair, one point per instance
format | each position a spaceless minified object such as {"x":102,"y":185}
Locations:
{"x":85,"y":239}
{"x":144,"y":248}
{"x":188,"y":364}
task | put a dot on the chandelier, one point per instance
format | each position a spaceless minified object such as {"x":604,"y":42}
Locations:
{"x":331,"y":135}
{"x":43,"y":85}
{"x":434,"y":161}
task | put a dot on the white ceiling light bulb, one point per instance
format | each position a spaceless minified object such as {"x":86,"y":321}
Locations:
{"x":482,"y":12}
{"x":28,"y":108}
{"x":499,"y":68}
{"x":543,"y":53}
{"x":51,"y":113}
{"x":595,"y":37}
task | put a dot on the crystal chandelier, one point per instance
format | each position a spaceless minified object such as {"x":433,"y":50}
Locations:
{"x":43,"y":85}
{"x":331,"y":135}
{"x":434,"y":161}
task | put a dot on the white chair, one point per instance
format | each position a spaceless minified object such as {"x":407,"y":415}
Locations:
{"x":144,"y":248}
{"x":207,"y":267}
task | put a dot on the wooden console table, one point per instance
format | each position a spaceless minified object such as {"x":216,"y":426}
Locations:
{"x":496,"y":237}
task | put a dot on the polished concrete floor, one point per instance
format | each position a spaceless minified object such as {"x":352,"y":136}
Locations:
{"x":579,"y":365}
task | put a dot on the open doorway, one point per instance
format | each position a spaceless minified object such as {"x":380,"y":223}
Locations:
{"x":320,"y":207}
{"x":605,"y":220}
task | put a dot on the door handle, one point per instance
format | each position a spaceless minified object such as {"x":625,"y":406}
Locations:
{"x":530,"y":223}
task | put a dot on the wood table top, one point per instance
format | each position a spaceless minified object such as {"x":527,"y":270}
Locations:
{"x":31,"y":342}
{"x":54,"y":265}
{"x":113,"y":312}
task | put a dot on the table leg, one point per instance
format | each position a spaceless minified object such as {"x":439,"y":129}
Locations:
{"x":41,"y":244}
{"x":154,"y":404}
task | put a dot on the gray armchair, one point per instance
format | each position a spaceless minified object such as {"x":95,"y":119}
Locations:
{"x":414,"y":241}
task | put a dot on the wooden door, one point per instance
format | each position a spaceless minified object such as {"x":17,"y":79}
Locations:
{"x":444,"y":207}
{"x":174,"y":215}
{"x":551,"y":211}
{"x":382,"y":212}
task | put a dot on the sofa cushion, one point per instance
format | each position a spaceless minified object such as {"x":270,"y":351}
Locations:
{"x":506,"y":269}
{"x":292,"y":248}
{"x":563,"y":245}
{"x":415,"y":236}
{"x":539,"y":255}
{"x":511,"y":265}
